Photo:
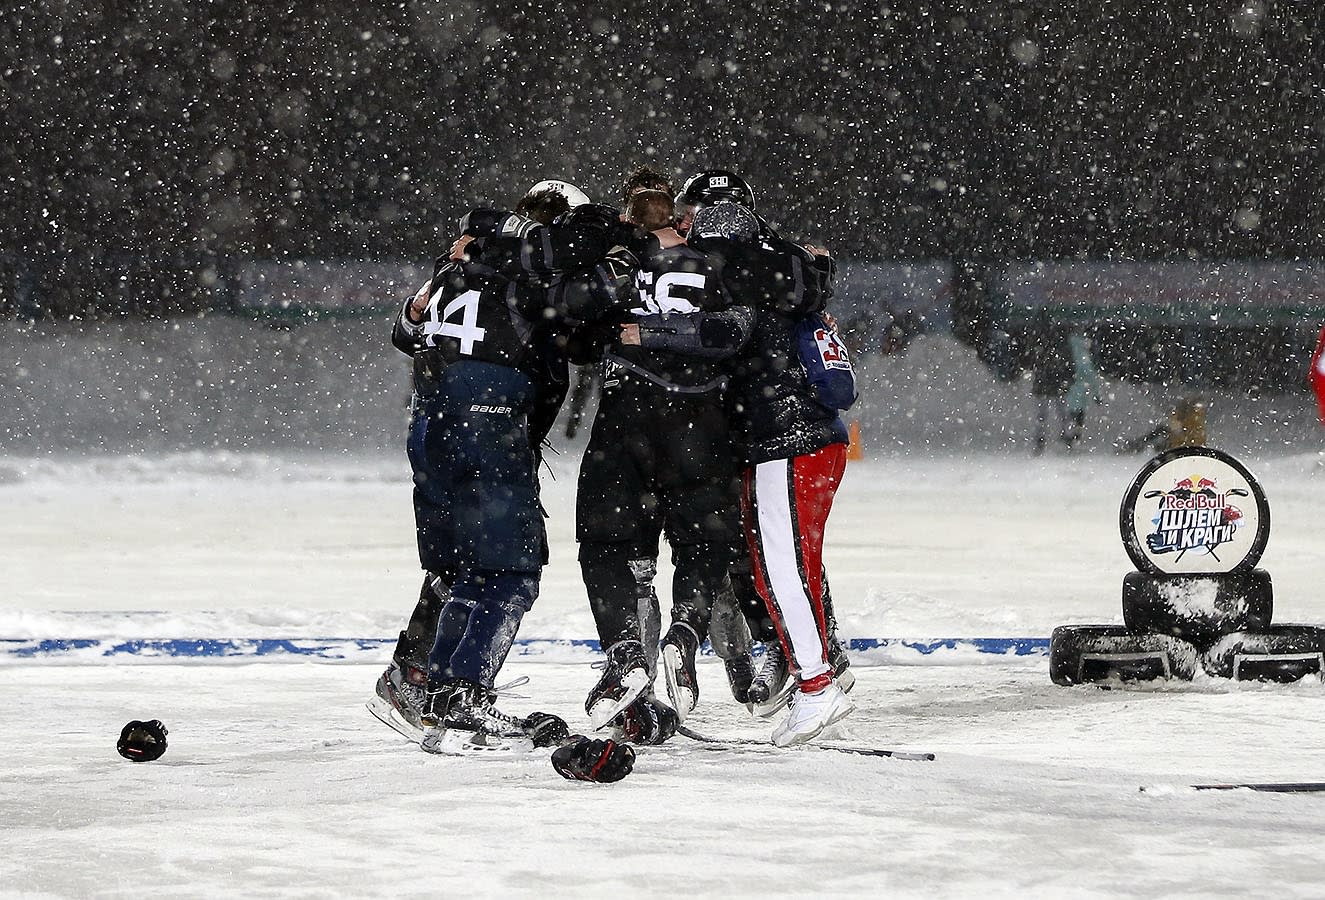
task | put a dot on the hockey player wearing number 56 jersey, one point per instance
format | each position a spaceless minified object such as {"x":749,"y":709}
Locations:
{"x":793,"y":443}
{"x":659,"y":462}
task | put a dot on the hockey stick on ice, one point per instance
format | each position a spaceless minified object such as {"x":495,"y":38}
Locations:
{"x":1269,"y":787}
{"x":1273,"y":787}
{"x":751,"y":742}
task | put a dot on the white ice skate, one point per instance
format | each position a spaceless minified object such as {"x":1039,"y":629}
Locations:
{"x":456,"y":742}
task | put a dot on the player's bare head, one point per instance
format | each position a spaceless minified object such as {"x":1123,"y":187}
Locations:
{"x":543,"y":205}
{"x":649,"y":209}
{"x":644,"y":179}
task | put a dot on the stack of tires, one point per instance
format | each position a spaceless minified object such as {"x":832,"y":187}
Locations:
{"x":1195,"y":522}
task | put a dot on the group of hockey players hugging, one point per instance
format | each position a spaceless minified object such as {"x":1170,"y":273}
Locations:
{"x":709,"y":431}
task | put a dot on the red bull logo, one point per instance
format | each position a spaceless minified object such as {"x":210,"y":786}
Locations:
{"x":1195,"y":484}
{"x":1187,"y":513}
{"x":1193,"y":515}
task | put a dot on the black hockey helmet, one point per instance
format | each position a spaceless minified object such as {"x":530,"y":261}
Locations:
{"x":142,"y":741}
{"x":714,"y":185}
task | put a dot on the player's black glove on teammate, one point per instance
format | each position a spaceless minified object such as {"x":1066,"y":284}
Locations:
{"x":594,"y":216}
{"x":483,"y":222}
{"x":142,"y":741}
{"x":589,"y":759}
{"x":545,"y":729}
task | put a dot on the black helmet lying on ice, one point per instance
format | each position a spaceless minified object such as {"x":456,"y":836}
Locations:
{"x":714,"y":185}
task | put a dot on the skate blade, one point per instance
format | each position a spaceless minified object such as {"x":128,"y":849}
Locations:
{"x":683,"y":697}
{"x":389,"y":716}
{"x":604,"y":711}
{"x":775,"y":704}
{"x":453,"y":742}
{"x":846,"y":680}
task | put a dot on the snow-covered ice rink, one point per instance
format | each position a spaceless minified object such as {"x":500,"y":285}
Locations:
{"x":278,"y":783}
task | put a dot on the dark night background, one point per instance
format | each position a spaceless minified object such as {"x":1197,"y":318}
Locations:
{"x":151,"y":147}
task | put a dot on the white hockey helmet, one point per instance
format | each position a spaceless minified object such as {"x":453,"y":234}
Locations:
{"x":574,"y":196}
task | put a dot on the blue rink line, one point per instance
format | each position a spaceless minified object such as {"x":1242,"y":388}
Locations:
{"x":90,"y":650}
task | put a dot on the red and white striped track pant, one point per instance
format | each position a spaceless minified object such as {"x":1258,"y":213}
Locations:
{"x":785,"y":505}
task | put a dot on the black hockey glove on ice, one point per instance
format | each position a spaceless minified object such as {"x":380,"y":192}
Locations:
{"x":545,"y":729}
{"x":646,"y":722}
{"x":142,"y":741}
{"x":594,"y":760}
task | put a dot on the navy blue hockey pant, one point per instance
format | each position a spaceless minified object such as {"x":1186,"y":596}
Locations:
{"x":477,"y":514}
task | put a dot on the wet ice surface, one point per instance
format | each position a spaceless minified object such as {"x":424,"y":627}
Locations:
{"x":278,"y":783}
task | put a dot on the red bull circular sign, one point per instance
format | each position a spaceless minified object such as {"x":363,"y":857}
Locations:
{"x":1194,"y":511}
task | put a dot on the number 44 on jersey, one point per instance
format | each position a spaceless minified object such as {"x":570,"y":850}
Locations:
{"x":467,"y":331}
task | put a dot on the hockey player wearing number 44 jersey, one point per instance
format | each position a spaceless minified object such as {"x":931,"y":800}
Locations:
{"x":486,"y":359}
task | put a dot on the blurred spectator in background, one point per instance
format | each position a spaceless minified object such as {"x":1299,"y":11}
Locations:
{"x":1084,"y":391}
{"x":1187,"y":424}
{"x":1051,"y":376}
{"x":899,"y":330}
{"x":882,"y":330}
{"x":1184,"y":427}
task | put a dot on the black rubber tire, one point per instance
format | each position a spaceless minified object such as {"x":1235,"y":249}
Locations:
{"x":1070,"y":643}
{"x":1200,"y":609}
{"x":1305,"y":642}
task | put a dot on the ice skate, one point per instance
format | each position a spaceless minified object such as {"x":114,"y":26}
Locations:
{"x":841,"y":663}
{"x":625,"y":676}
{"x":740,"y":675}
{"x":459,"y":717}
{"x":768,"y":691}
{"x":401,"y":692}
{"x":678,"y":653}
{"x":812,"y":712}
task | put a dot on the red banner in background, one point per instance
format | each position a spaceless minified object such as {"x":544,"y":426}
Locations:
{"x":1317,"y":376}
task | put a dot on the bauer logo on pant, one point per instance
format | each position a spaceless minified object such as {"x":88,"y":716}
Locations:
{"x":1194,"y":511}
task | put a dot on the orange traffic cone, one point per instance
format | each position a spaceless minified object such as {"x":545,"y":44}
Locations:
{"x":854,"y":449}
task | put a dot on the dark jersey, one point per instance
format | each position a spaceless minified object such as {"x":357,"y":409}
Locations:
{"x":472,"y":317}
{"x":487,"y":319}
{"x":774,"y":409}
{"x":564,"y":270}
{"x":676,"y":285}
